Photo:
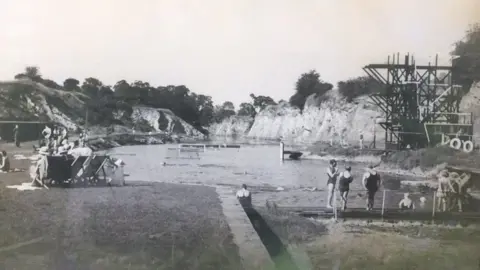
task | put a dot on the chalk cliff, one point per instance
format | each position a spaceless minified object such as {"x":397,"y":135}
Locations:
{"x":28,"y":100}
{"x":324,"y":118}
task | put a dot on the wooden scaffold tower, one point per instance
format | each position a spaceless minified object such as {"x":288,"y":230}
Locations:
{"x":420,"y":102}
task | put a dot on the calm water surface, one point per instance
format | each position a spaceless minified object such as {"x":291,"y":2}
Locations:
{"x":254,"y":165}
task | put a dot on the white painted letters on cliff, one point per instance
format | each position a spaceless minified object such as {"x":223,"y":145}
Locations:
{"x":456,"y":143}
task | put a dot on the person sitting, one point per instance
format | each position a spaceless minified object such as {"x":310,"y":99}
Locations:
{"x":63,"y":148}
{"x":5,"y":162}
{"x":406,"y":203}
{"x":80,"y":151}
{"x":244,"y":197}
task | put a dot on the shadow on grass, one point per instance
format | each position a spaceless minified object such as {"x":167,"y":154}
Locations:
{"x":277,"y":251}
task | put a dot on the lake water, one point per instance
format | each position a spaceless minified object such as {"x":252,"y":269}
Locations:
{"x":254,"y":165}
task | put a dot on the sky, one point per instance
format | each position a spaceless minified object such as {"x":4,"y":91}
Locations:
{"x":223,"y":48}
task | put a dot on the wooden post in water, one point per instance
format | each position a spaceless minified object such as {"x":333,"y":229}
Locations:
{"x":434,"y":203}
{"x":335,"y":204}
{"x":383,"y":202}
{"x":282,"y":148}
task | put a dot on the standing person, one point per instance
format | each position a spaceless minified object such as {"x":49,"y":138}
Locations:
{"x":64,"y":133}
{"x":371,"y":182}
{"x":361,"y":141}
{"x":444,"y":190}
{"x":15,"y":136}
{"x":332,"y":174}
{"x":344,"y":185}
{"x":46,"y":133}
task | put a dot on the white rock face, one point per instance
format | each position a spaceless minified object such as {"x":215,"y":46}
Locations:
{"x":170,"y":122}
{"x":235,"y":126}
{"x":471,"y":103}
{"x":333,"y":119}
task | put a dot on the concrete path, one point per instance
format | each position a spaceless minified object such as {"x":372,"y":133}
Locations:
{"x":252,"y":251}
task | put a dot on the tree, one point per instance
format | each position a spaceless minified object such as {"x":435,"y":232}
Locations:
{"x":358,"y":86}
{"x":466,"y":58}
{"x":228,"y":105}
{"x":122,"y":91}
{"x":260,"y":102}
{"x":91,"y":86}
{"x":71,"y":84}
{"x":51,"y":84}
{"x":308,"y":83}
{"x":246,"y":109}
{"x":33,"y":73}
{"x":224,"y":111}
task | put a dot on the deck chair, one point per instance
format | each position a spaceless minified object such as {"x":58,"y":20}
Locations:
{"x":81,"y":169}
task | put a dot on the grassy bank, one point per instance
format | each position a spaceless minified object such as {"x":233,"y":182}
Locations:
{"x":415,"y":161}
{"x":154,"y":226}
{"x":412,"y":247}
{"x":359,"y":245}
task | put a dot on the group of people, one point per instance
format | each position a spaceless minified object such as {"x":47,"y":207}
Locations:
{"x":452,"y":190}
{"x":56,"y":143}
{"x":371,"y":182}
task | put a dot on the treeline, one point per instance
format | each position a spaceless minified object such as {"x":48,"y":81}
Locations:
{"x":104,"y":101}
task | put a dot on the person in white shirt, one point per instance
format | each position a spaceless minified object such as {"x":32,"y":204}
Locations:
{"x":47,"y":132}
{"x":244,"y":196}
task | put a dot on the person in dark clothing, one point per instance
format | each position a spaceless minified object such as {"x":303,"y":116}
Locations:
{"x":371,"y":182}
{"x":15,"y":136}
{"x":344,"y":185}
{"x":406,"y":203}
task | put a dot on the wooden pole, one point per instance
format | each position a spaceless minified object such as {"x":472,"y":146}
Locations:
{"x":434,"y":203}
{"x":282,"y":149}
{"x":335,"y":204}
{"x":383,"y":202}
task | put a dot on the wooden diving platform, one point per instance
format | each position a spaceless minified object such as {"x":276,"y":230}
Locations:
{"x":195,"y":145}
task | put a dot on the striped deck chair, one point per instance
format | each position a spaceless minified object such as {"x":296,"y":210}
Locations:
{"x":81,"y":169}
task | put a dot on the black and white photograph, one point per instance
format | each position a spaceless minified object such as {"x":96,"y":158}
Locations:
{"x":239,"y":135}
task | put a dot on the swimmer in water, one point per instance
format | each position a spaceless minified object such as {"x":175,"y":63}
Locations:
{"x":406,"y":203}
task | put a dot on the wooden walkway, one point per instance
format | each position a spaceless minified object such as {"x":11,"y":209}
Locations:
{"x":388,"y":214}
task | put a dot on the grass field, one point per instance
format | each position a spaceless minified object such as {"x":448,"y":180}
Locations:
{"x":146,"y":226}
